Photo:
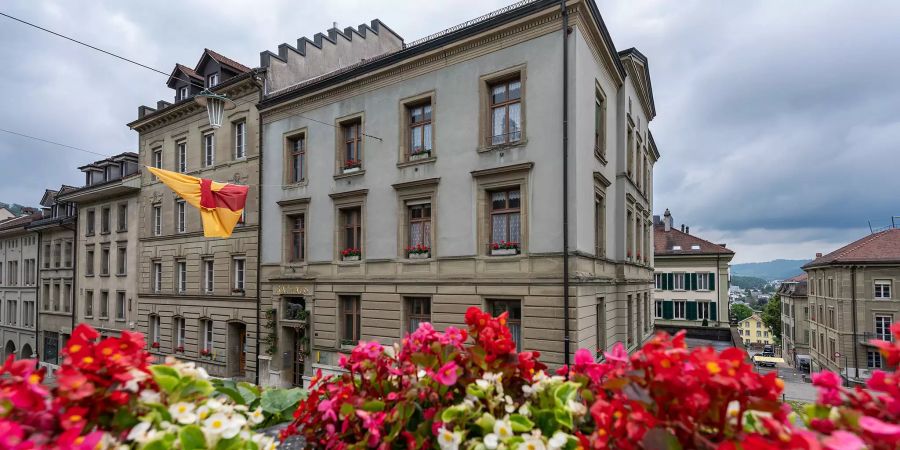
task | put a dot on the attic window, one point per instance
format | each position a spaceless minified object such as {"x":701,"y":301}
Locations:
{"x":212,"y":80}
{"x":183,"y":92}
{"x":695,"y":247}
{"x":676,"y":247}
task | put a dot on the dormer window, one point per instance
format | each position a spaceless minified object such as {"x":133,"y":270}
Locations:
{"x":676,"y":247}
{"x":183,"y":92}
{"x":212,"y":80}
{"x":695,"y":247}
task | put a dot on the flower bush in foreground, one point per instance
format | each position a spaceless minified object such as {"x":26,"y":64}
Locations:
{"x":109,"y":396}
{"x":468,"y":389}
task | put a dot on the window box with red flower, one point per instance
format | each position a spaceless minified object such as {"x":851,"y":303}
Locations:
{"x":418,"y":251}
{"x":421,"y":154}
{"x":350,"y":254}
{"x":206,"y":353}
{"x":179,"y":349}
{"x":351,"y":166}
{"x":154,"y":345}
{"x":504,"y":248}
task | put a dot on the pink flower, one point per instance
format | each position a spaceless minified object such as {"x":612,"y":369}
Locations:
{"x":453,"y":336}
{"x":882,"y":431}
{"x":327,"y":407}
{"x":618,"y":353}
{"x":842,"y":440}
{"x":826,"y":379}
{"x":447,"y":374}
{"x":583,"y":357}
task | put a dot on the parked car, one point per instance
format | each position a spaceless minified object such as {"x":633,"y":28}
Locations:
{"x":768,"y":348}
{"x":764,"y":363}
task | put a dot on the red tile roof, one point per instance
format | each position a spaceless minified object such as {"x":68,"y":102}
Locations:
{"x":226,"y":61}
{"x":665,"y":241}
{"x":881,"y":247}
{"x":794,"y":286}
{"x":796,"y":279}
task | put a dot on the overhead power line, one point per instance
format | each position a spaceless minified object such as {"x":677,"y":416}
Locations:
{"x":55,"y":143}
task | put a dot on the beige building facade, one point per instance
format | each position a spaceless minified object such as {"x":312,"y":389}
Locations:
{"x":56,"y":280}
{"x":107,"y":270}
{"x":795,"y":334}
{"x":197,"y":297}
{"x":427,"y":179}
{"x":19,"y":259}
{"x":852,"y":301}
{"x":755,"y":333}
{"x":691,"y":277}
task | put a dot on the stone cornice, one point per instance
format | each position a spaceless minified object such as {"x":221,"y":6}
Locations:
{"x":503,"y":169}
{"x":188,"y":109}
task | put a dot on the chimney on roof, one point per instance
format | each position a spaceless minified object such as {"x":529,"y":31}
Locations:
{"x":687,"y":230}
{"x":722,"y":245}
{"x":682,"y":228}
{"x":818,"y":255}
{"x":667,"y":220}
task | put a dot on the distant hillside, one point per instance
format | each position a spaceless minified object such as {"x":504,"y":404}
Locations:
{"x":778,"y":269}
{"x":748,"y":282}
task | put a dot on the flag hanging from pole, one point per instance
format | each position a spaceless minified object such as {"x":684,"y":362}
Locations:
{"x":220,"y":204}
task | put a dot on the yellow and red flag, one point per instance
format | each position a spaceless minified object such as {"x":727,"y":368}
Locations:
{"x":220,"y":204}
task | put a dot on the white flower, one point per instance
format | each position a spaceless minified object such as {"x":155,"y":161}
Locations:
{"x":525,"y":410}
{"x":577,"y":407}
{"x":483,"y":384}
{"x":527,"y":390}
{"x":256,"y":417}
{"x":203,"y":412}
{"x":449,"y":440}
{"x":533,"y":442}
{"x":216,"y":424}
{"x":141,"y":433}
{"x":558,"y":441}
{"x":503,"y":429}
{"x":490,"y":441}
{"x":213,"y":404}
{"x":148,"y":396}
{"x":422,"y":373}
{"x":510,"y":408}
{"x":183,"y":413}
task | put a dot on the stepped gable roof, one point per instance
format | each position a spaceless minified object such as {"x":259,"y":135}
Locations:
{"x":877,"y":248}
{"x":664,"y":243}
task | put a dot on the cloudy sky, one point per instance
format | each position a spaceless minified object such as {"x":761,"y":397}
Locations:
{"x":777,"y":121}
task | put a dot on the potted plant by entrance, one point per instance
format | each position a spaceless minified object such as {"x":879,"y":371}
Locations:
{"x":350,"y":254}
{"x":418,"y":251}
{"x":504,"y":248}
{"x":352,"y":165}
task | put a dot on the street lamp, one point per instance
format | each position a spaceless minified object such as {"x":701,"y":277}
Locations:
{"x":215,"y":106}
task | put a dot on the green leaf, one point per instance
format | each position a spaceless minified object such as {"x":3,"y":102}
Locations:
{"x":565,"y":392}
{"x":452,"y":413}
{"x":232,"y":393}
{"x":347,"y":410}
{"x":164,"y":370}
{"x":373,"y":406}
{"x":191,"y":437}
{"x":124,"y":419}
{"x":249,"y":395}
{"x":274,"y":401}
{"x":474,"y":390}
{"x":486,"y":422}
{"x":520,"y":423}
{"x":545,"y":420}
{"x":660,"y":438}
{"x":234,"y":443}
{"x":197,"y":386}
{"x":166,"y":383}
{"x":564,"y":418}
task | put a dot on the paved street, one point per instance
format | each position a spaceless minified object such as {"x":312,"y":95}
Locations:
{"x":794,"y":386}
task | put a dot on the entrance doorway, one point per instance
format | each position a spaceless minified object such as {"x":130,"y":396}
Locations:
{"x":299,"y":350}
{"x":27,"y":353}
{"x":237,"y":349}
{"x":9,"y":350}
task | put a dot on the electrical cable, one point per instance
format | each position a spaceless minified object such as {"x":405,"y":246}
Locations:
{"x":54,"y":143}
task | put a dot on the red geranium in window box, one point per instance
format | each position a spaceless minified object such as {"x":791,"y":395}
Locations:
{"x":504,"y":248}
{"x":205,"y":352}
{"x":352,"y":164}
{"x":418,"y":251}
{"x":179,"y":349}
{"x":155,"y":345}
{"x":350,"y":254}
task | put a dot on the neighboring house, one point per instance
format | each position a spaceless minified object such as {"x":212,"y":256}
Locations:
{"x":106,"y":269}
{"x":754,"y":332}
{"x":9,"y":211}
{"x":691,"y":277}
{"x":795,"y":320}
{"x":197,"y":297}
{"x":396,"y":174}
{"x":56,"y":281}
{"x":18,"y":286}
{"x":852,"y":301}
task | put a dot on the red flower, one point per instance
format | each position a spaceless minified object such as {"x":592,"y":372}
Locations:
{"x":74,"y":418}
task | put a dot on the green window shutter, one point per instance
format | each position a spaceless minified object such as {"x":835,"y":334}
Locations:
{"x":691,"y":310}
{"x":693,"y":282}
{"x":712,"y":311}
{"x":712,"y":281}
{"x":668,"y":309}
{"x":671,"y":278}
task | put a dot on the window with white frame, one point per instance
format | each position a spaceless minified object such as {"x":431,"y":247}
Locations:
{"x":157,"y":220}
{"x":883,"y":289}
{"x":182,"y":156}
{"x":120,"y":305}
{"x":659,"y":281}
{"x":180,"y":210}
{"x":179,"y":327}
{"x":181,"y":275}
{"x":157,"y":158}
{"x":209,"y":149}
{"x":157,"y":276}
{"x":206,"y":335}
{"x":208,"y":276}
{"x":240,"y":140}
{"x":659,"y":309}
{"x":703,"y":281}
{"x":680,"y":309}
{"x":703,"y":309}
{"x":238,"y":264}
{"x":212,"y":79}
{"x":183,"y":92}
{"x":154,"y":329}
{"x":883,"y":327}
{"x":679,"y":281}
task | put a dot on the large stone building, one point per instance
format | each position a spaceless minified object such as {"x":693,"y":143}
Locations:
{"x":692,"y":278}
{"x":106,"y":278}
{"x":56,"y":281}
{"x":795,"y":321}
{"x":397,"y":174}
{"x":18,"y":286}
{"x":851,"y":301}
{"x":197,"y":297}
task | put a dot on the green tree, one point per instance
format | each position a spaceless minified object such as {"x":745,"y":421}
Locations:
{"x":771,"y":316}
{"x":741,"y":311}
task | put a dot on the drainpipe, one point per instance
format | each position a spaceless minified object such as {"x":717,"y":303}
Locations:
{"x":37,"y":298}
{"x":853,"y":314}
{"x":259,"y":220}
{"x":565,"y":165}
